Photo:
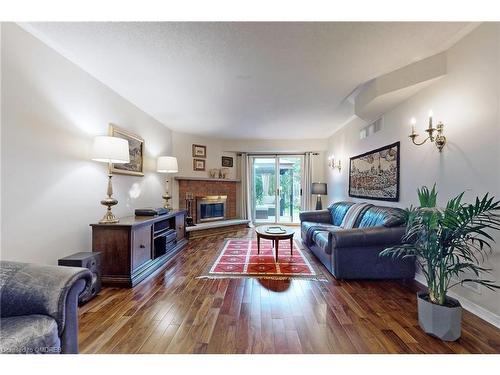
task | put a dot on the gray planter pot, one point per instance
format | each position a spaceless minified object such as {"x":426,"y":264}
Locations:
{"x":439,"y":321}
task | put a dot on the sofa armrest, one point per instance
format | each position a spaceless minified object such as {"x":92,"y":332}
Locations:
{"x":365,"y":237}
{"x":39,"y":289}
{"x":69,"y":337}
{"x":319,"y":216}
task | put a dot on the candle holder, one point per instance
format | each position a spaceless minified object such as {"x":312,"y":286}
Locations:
{"x":334,"y":165}
{"x":439,"y":140}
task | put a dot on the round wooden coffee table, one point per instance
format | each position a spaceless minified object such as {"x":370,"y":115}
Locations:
{"x":275,"y":237}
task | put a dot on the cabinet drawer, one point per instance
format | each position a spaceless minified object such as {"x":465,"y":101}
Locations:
{"x":141,"y":246}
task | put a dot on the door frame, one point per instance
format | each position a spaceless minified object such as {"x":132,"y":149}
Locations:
{"x":276,"y":158}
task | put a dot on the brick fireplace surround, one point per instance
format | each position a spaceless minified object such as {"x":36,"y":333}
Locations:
{"x":204,"y":187}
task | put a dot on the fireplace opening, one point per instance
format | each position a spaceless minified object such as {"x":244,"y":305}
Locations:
{"x":210,"y":208}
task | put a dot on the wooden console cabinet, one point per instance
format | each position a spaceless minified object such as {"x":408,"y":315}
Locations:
{"x":135,"y":247}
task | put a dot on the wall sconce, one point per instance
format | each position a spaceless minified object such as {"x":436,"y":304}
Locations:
{"x":439,"y":139}
{"x":332,"y":164}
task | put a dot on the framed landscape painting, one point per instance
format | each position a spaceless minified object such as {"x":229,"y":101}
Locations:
{"x":375,"y":174}
{"x":135,"y":149}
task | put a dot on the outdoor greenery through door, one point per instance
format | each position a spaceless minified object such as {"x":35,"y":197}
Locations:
{"x":276,"y":188}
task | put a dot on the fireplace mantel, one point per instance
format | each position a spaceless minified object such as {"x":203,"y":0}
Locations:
{"x":207,"y":179}
{"x":200,"y":186}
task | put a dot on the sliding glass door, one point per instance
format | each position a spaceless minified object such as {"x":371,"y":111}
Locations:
{"x":276,"y":188}
{"x":289,"y":182}
{"x":264,"y":189}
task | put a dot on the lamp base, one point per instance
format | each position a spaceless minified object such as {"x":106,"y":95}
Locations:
{"x":167,"y":195}
{"x":167,"y":198}
{"x":319,"y":204}
{"x":109,"y":218}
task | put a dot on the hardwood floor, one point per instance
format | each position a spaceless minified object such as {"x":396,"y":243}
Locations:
{"x":174,"y":312}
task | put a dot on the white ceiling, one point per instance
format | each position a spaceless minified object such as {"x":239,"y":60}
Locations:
{"x":245,"y":80}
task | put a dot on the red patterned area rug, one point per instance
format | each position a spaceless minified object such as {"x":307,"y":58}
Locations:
{"x":238,"y":258}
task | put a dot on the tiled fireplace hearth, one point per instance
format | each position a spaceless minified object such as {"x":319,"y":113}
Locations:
{"x":204,"y":187}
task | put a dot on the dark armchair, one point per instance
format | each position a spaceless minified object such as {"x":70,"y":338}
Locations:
{"x":39,"y":307}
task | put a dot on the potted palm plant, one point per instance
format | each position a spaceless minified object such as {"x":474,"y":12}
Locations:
{"x":446,"y":242}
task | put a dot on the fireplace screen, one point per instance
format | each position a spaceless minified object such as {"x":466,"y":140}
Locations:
{"x":210,"y":208}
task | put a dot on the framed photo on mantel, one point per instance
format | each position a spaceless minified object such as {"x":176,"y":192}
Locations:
{"x":135,"y":149}
{"x":375,"y":174}
{"x":199,"y":151}
{"x":227,"y":161}
{"x":198,"y":164}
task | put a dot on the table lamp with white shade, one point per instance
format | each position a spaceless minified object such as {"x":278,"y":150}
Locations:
{"x":109,"y":150}
{"x":167,"y":164}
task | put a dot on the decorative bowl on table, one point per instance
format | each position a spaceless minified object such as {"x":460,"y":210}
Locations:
{"x":275,"y":230}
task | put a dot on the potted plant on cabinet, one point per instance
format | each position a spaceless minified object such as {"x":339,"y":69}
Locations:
{"x":446,"y":243}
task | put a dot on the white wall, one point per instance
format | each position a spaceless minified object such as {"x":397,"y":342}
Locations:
{"x":216,"y":148}
{"x":467,"y":100}
{"x":1,"y":50}
{"x":182,"y":149}
{"x":50,"y":188}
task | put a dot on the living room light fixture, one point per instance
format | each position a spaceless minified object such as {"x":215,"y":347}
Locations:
{"x":167,"y":164}
{"x":110,"y":150}
{"x":319,"y":188}
{"x":439,"y":139}
{"x":332,"y":164}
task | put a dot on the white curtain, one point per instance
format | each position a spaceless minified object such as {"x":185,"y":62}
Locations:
{"x":245,"y":201}
{"x":266,"y":177}
{"x":307,"y":182}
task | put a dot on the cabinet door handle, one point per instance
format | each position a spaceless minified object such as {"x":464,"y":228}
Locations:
{"x":142,"y":246}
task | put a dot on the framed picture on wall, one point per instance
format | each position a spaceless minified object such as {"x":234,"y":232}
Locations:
{"x":198,"y":164}
{"x":375,"y":174}
{"x":227,"y":161}
{"x":135,"y":149}
{"x":199,"y":151}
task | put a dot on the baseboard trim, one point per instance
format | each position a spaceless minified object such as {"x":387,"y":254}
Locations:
{"x":468,"y":305}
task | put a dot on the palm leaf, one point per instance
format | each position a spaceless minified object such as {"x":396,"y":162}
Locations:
{"x":448,"y":242}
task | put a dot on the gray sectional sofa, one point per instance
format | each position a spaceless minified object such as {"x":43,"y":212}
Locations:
{"x":39,"y":307}
{"x":354,"y":253}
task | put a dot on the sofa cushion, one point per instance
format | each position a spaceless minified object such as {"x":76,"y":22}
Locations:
{"x":378,"y":216}
{"x":338,"y":211}
{"x":320,"y":238}
{"x":29,"y":334}
{"x":308,"y":228}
